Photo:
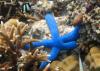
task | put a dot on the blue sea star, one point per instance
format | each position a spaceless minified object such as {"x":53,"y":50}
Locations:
{"x":57,"y":43}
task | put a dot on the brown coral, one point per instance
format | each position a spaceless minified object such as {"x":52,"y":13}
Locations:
{"x":12,"y":40}
{"x":93,"y":59}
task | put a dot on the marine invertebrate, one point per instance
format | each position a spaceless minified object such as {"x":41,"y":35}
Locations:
{"x":69,"y":63}
{"x":31,"y":60}
{"x":93,"y":59}
{"x":68,"y":41}
{"x":90,"y":32}
{"x":12,"y":39}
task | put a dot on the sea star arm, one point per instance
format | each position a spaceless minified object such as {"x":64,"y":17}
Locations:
{"x":52,"y":25}
{"x":46,"y":43}
{"x":69,"y":45}
{"x":71,"y":36}
{"x":52,"y":56}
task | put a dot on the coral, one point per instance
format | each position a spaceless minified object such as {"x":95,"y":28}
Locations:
{"x":13,"y":37}
{"x":69,"y":63}
{"x":93,"y":59}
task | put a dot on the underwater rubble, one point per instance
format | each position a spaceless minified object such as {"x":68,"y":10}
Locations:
{"x":21,"y":27}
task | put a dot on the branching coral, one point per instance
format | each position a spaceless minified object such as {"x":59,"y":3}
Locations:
{"x":13,"y":36}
